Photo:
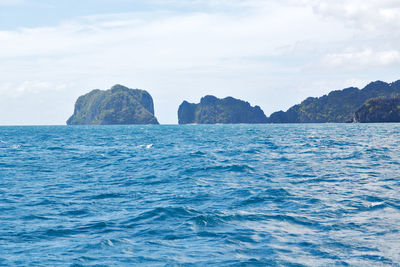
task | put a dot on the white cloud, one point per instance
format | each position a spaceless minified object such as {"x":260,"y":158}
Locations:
{"x":260,"y":54}
{"x":363,"y":59}
{"x":369,"y":15}
{"x":18,"y":89}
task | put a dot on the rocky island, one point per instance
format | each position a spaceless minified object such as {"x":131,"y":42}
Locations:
{"x":377,"y":102}
{"x":213,"y":110}
{"x":379,"y":110}
{"x":118,"y":105}
{"x":337,"y":106}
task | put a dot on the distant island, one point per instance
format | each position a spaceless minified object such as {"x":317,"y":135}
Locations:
{"x":212,"y":110}
{"x":118,"y":105}
{"x":376,"y":102}
{"x":337,"y":106}
{"x":379,"y":110}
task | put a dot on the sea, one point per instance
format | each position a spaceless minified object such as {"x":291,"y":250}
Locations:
{"x":200,"y":195}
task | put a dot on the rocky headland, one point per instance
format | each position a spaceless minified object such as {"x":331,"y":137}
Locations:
{"x":337,"y":106}
{"x":379,"y":110}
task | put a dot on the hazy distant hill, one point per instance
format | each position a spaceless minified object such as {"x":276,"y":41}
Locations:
{"x":337,"y":106}
{"x":118,"y":105}
{"x":213,"y":110}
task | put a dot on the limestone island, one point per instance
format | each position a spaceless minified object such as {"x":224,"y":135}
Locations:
{"x":116,"y":106}
{"x":212,"y":110}
{"x":337,"y":106}
{"x":379,"y":110}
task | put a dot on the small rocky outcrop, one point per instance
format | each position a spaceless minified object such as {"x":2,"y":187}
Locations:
{"x":212,"y":110}
{"x":118,"y":105}
{"x":379,"y":110}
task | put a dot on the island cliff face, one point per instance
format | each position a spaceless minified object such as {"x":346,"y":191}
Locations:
{"x":379,"y":110}
{"x":337,"y":106}
{"x":213,"y":110}
{"x":118,"y":105}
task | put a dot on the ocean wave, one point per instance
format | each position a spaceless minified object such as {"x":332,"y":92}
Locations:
{"x":256,"y":195}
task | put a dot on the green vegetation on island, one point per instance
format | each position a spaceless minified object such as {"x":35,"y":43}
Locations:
{"x":379,"y":110}
{"x":118,"y":105}
{"x":213,"y":110}
{"x":377,"y":102}
{"x":337,"y":106}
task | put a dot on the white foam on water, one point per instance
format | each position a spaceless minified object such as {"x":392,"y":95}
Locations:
{"x":374,"y":204}
{"x":146,"y":146}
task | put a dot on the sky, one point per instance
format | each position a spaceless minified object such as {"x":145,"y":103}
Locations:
{"x":271,"y":53}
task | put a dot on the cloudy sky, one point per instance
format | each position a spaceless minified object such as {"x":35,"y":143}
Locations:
{"x":272,"y":53}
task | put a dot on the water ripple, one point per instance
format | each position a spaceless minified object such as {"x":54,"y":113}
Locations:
{"x":217,"y":195}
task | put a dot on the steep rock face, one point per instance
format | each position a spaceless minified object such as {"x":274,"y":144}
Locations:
{"x":213,"y":110}
{"x":118,"y":105}
{"x":379,"y":110}
{"x":337,"y":106}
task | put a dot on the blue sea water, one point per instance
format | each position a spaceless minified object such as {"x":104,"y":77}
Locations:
{"x":207,"y":195}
